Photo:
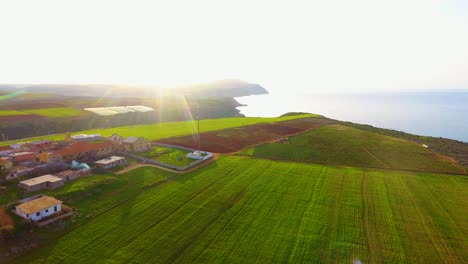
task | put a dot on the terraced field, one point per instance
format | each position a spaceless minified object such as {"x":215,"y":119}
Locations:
{"x":245,"y":210}
{"x":173,"y":129}
{"x":338,"y":144}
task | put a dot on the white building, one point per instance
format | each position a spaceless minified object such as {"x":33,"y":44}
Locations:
{"x":199,"y":155}
{"x":111,"y":162}
{"x":39,"y":208}
{"x":84,"y":137}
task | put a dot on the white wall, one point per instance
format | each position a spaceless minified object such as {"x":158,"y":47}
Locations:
{"x":42,"y":213}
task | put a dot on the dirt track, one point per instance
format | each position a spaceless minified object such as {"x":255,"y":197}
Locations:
{"x":236,"y":139}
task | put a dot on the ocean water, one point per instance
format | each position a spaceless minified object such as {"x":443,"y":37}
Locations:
{"x":438,"y":114}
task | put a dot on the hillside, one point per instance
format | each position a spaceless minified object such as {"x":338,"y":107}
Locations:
{"x":244,"y":210}
{"x":339,"y":144}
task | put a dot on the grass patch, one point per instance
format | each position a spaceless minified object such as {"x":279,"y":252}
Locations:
{"x":245,"y":210}
{"x":47,"y":112}
{"x":338,"y":144}
{"x":55,"y":112}
{"x":12,"y":113}
{"x":171,"y":156}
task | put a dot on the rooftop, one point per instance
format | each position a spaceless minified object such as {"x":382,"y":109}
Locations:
{"x":40,"y":180}
{"x":21,"y":153}
{"x":66,"y":173}
{"x":38,"y":204}
{"x":130,"y":140}
{"x":41,"y":142}
{"x":109,"y":160}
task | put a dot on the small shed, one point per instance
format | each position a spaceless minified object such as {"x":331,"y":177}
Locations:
{"x":111,"y":162}
{"x":68,"y":175}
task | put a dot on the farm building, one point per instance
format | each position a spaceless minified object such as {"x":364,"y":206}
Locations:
{"x":199,"y":155}
{"x":43,"y":182}
{"x":84,"y":137}
{"x":39,"y":208}
{"x":80,"y":150}
{"x":69,"y":175}
{"x":23,"y":157}
{"x":42,"y":144}
{"x":5,"y":150}
{"x":49,"y":157}
{"x":6,"y":163}
{"x":136,"y":144}
{"x":116,"y":139}
{"x":111,"y":162}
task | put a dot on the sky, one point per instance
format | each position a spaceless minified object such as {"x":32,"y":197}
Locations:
{"x":360,"y":45}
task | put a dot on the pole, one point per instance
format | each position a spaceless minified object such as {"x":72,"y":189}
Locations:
{"x":198,"y":125}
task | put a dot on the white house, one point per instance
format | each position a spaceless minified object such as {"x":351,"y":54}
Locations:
{"x":39,"y":208}
{"x":111,"y":162}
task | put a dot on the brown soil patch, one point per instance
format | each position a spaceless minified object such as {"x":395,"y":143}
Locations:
{"x":5,"y":219}
{"x":235,"y":139}
{"x":15,"y":118}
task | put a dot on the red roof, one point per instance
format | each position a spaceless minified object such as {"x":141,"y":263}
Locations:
{"x":3,"y":148}
{"x":83,"y":146}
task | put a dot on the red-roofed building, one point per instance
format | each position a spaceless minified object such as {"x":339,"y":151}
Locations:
{"x":83,"y":149}
{"x":23,"y":157}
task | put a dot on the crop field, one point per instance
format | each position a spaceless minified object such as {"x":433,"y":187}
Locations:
{"x":338,"y":144}
{"x":171,"y":156}
{"x":246,"y":210}
{"x":235,"y":139}
{"x":173,"y":129}
{"x":46,"y":112}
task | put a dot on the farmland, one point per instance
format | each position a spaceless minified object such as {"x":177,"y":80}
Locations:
{"x":241,"y":209}
{"x":45,"y":112}
{"x":338,"y":144}
{"x":173,"y":129}
{"x":235,"y":139}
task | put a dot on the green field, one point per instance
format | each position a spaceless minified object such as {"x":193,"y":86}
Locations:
{"x":171,"y":156}
{"x":338,"y":144}
{"x":47,"y":112}
{"x":55,"y":112}
{"x":173,"y":129}
{"x":12,"y":113}
{"x":244,"y":210}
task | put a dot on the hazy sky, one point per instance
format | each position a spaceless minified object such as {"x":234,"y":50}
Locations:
{"x":283,"y":45}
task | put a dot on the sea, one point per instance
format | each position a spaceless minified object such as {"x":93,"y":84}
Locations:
{"x":428,"y":113}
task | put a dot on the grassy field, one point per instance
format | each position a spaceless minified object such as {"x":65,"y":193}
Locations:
{"x":55,"y":112}
{"x":172,"y":129}
{"x":12,"y":113}
{"x":171,"y":156}
{"x":47,"y":112}
{"x":244,"y":210}
{"x":338,"y":144}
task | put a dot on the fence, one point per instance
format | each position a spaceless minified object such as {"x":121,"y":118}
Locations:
{"x":166,"y":165}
